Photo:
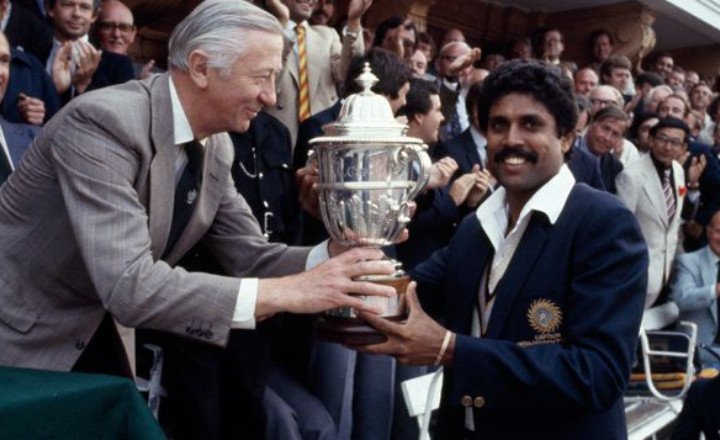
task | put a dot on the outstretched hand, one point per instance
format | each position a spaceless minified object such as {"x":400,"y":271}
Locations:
{"x":330,"y":285}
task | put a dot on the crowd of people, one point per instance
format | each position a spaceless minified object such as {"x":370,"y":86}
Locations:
{"x":130,"y":204}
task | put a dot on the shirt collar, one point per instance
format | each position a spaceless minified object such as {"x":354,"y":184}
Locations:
{"x":181,"y":126}
{"x":549,"y":199}
{"x":291,"y":25}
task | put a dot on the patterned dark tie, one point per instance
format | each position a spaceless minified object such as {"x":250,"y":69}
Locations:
{"x":186,"y":193}
{"x":669,"y":193}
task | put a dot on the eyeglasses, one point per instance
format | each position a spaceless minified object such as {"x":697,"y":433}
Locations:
{"x":125,"y":28}
{"x":602,"y":102}
{"x":673,"y":142}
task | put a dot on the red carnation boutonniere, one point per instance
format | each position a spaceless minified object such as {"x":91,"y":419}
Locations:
{"x":682,"y":191}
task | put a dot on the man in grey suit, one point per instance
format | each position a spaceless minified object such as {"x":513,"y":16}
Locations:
{"x":89,"y":217}
{"x":696,"y":290}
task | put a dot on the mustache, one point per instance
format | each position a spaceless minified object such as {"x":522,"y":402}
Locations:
{"x":524,"y":153}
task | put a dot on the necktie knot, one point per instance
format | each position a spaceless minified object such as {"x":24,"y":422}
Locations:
{"x":194,"y":153}
{"x":300,"y":30}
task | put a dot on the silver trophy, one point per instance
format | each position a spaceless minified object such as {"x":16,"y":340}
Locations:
{"x":369,"y":172}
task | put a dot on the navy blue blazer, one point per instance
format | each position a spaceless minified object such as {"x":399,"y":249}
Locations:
{"x":585,"y":168}
{"x":313,"y":229}
{"x":701,"y":412}
{"x":18,"y":137}
{"x":462,"y":148}
{"x":28,"y":76}
{"x":310,"y":128}
{"x":588,"y":273}
{"x":28,"y":31}
{"x":709,"y":183}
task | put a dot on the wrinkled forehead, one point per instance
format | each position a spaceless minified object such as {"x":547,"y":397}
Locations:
{"x":111,"y":11}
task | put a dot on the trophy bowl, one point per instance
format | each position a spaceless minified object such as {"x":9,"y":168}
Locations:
{"x":369,"y":172}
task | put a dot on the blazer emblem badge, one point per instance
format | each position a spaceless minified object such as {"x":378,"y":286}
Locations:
{"x":544,"y":316}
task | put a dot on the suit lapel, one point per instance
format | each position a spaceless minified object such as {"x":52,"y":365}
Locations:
{"x":521,"y":265}
{"x":314,"y":58}
{"x":708,"y":275}
{"x":13,"y":137}
{"x":162,"y":167}
{"x":476,"y":258}
{"x":653,"y":188}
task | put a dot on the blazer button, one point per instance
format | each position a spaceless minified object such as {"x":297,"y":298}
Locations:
{"x":79,"y":344}
{"x":466,"y":401}
{"x":479,"y":402}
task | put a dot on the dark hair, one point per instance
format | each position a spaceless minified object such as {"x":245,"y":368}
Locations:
{"x":598,"y":33}
{"x":424,"y":37}
{"x":651,"y":78}
{"x":472,"y":99}
{"x":392,"y":72}
{"x":670,"y":122}
{"x":583,"y":104}
{"x":639,"y":120}
{"x":418,"y":100}
{"x":610,"y":112}
{"x":391,"y":23}
{"x":614,"y":62}
{"x":96,"y":4}
{"x":545,"y":83}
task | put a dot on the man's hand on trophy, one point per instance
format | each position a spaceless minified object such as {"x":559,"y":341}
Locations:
{"x":441,"y":172}
{"x":418,"y":341}
{"x":308,"y":195}
{"x":331,"y":284}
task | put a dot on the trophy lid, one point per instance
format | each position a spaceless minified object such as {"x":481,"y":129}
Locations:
{"x":365,"y":116}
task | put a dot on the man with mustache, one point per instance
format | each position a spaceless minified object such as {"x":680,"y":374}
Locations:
{"x":540,"y":292}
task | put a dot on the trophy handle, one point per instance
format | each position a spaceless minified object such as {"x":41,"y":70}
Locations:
{"x":424,"y":163}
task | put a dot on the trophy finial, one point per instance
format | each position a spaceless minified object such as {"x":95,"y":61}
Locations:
{"x":366,"y":79}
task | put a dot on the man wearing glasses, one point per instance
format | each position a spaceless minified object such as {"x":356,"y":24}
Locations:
{"x":116,"y":33}
{"x":653,"y":188}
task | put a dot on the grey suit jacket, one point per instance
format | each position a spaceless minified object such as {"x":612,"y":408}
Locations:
{"x":693,"y":290}
{"x":328,"y":62}
{"x":87,"y":215}
{"x":640,"y":188}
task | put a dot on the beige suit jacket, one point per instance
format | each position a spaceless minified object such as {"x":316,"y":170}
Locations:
{"x":640,"y":188}
{"x":87,"y":215}
{"x":328,"y":62}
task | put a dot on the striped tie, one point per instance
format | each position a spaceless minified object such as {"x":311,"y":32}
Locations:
{"x":668,"y":191}
{"x":304,"y":89}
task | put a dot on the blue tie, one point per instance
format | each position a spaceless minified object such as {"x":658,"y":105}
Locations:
{"x":186,"y":193}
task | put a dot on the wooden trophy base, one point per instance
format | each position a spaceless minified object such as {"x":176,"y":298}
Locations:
{"x":354,"y":331}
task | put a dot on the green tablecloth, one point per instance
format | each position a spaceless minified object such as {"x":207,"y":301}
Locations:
{"x":38,"y":404}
